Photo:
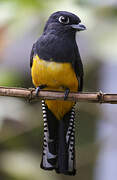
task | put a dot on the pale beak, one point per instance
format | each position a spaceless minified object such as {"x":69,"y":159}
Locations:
{"x":78,"y":27}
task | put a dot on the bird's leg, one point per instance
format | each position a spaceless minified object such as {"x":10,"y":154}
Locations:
{"x":39,"y":88}
{"x":67,"y":90}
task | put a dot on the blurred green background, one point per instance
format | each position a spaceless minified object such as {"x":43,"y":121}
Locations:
{"x":21,"y":125}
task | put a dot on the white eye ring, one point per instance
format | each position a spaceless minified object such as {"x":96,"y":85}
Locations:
{"x":64,"y":20}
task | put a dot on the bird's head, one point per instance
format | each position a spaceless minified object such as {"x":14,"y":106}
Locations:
{"x":64,"y":21}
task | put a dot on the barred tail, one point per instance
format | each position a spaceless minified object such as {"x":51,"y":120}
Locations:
{"x":66,"y":147}
{"x":49,"y":156}
{"x":59,"y":142}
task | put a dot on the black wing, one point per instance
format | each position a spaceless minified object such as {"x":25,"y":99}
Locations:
{"x":78,"y":68}
{"x":33,"y":52}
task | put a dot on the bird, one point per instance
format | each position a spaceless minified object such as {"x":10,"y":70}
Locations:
{"x":56,"y":65}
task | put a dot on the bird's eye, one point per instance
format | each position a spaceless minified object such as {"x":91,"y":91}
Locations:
{"x":64,"y":20}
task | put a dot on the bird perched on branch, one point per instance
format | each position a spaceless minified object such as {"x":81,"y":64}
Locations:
{"x":56,"y":65}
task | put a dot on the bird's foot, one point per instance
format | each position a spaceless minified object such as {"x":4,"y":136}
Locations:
{"x":67,"y":91}
{"x":39,"y":88}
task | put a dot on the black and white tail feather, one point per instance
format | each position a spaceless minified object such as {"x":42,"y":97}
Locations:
{"x":47,"y":154}
{"x":59,"y":142}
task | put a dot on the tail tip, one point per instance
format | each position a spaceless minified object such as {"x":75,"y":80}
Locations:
{"x":66,"y":172}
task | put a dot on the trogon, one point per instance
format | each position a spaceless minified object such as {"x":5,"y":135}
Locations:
{"x":56,"y":65}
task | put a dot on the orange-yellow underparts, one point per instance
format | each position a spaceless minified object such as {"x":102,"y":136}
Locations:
{"x":57,"y":76}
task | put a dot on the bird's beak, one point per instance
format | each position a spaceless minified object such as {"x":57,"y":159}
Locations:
{"x":78,"y":27}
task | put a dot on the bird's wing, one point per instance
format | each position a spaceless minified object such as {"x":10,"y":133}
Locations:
{"x":33,"y":52}
{"x":78,"y":68}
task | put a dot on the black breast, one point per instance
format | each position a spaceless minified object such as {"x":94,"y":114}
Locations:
{"x":59,"y":49}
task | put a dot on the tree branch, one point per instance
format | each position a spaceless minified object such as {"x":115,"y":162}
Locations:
{"x":96,"y":97}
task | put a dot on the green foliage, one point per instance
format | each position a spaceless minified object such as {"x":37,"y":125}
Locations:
{"x":107,"y":12}
{"x":31,"y":140}
{"x":11,"y":79}
{"x":33,"y":4}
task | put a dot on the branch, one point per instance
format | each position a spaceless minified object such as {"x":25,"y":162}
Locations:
{"x":97,"y":97}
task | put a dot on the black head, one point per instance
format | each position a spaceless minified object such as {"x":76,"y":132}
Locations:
{"x":65,"y":21}
{"x":58,"y":41}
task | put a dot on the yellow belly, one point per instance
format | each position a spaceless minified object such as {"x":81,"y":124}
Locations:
{"x":57,"y":76}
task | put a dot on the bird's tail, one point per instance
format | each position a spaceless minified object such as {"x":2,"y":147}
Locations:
{"x":59,"y":142}
{"x":66,"y":145}
{"x":49,"y":157}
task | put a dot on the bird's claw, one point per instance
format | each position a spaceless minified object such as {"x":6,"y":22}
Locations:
{"x":39,"y":88}
{"x":66,"y":93}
